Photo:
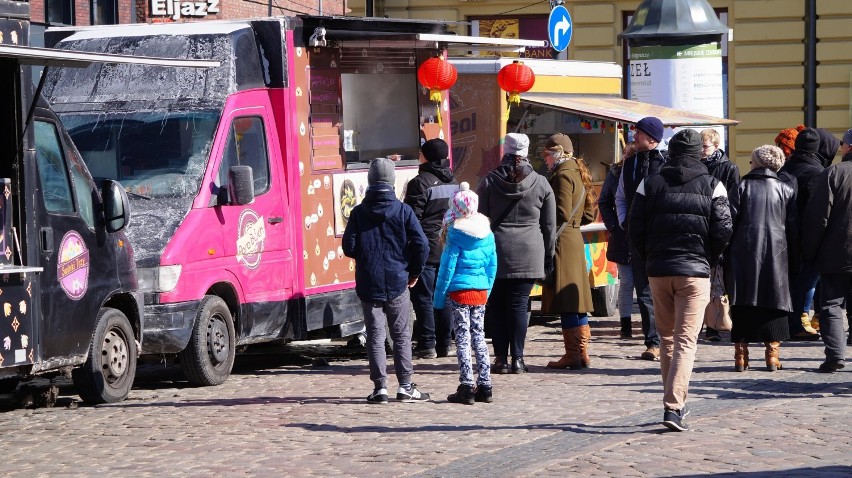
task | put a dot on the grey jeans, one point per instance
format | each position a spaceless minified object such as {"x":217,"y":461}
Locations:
{"x":396,"y":313}
{"x":834,"y":289}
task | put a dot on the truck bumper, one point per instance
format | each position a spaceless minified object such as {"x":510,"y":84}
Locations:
{"x":168,"y":327}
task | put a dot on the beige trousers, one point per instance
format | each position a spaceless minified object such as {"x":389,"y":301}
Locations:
{"x":679,"y":304}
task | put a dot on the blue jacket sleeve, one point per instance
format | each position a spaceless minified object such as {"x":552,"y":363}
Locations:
{"x":350,"y":235}
{"x":449,"y":259}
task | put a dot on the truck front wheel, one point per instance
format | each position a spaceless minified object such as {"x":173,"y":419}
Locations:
{"x":209,"y":356}
{"x":110,"y":368}
{"x":605,"y":300}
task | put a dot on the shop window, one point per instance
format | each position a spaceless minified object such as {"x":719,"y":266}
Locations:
{"x":55,"y":188}
{"x":385,"y":125}
{"x":59,"y":12}
{"x":247,"y":147}
{"x":104,"y":12}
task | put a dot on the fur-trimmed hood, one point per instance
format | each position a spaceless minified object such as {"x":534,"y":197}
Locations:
{"x":476,"y":225}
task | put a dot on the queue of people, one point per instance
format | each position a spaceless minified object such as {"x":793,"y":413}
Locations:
{"x":677,"y":220}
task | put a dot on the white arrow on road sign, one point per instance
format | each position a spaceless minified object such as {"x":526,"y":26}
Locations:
{"x":561,"y":27}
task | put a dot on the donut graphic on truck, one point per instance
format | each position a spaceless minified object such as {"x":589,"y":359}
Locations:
{"x":73,"y":266}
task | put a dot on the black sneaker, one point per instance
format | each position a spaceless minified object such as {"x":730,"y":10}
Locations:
{"x":673,"y":420}
{"x":830,"y":366}
{"x":464,"y":394}
{"x":712,"y":335}
{"x":445,"y":351}
{"x":424,"y":352}
{"x":379,"y":395}
{"x":483,"y":394}
{"x":411,"y":394}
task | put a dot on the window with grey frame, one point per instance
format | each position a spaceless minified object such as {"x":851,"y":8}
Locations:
{"x":104,"y":12}
{"x":59,"y":12}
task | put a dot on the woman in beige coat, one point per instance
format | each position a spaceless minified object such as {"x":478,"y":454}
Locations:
{"x":567,"y":291}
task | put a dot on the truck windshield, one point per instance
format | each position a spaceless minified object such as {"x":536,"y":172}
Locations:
{"x":152,"y":154}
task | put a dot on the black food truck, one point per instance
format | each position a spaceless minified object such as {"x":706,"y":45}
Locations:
{"x":68,"y":286}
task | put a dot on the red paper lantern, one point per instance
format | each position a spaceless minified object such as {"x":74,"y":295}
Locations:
{"x":516,"y":78}
{"x":437,"y":74}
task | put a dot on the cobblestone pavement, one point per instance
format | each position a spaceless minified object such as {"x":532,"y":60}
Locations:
{"x":277,"y":416}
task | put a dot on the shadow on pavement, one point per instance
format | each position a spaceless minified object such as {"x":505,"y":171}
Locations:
{"x":837,"y":470}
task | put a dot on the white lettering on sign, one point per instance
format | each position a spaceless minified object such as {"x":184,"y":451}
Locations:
{"x":177,"y":9}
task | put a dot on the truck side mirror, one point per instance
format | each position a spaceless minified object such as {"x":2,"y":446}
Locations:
{"x":241,"y":182}
{"x":116,"y":206}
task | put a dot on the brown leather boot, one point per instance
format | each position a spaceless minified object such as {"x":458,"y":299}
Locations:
{"x":583,"y":336}
{"x":740,"y":357}
{"x":571,"y":359}
{"x":773,"y":361}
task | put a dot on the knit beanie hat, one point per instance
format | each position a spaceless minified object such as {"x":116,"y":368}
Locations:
{"x":561,"y":140}
{"x":381,"y":172}
{"x":463,"y":204}
{"x":652,"y":126}
{"x":517,"y":144}
{"x":767,"y":156}
{"x":435,"y":150}
{"x":807,"y":141}
{"x":686,"y":143}
{"x":786,"y":139}
{"x":847,"y":137}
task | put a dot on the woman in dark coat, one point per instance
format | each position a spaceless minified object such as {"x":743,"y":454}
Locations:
{"x":618,"y":250}
{"x":762,"y":250}
{"x":568,"y":293}
{"x":519,"y":203}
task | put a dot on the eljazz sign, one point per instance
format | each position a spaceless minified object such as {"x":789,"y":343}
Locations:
{"x":177,"y":9}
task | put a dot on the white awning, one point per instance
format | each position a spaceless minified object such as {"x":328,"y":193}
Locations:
{"x":52,"y":57}
{"x":613,"y":108}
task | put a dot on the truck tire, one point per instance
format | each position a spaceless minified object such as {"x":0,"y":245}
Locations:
{"x":110,"y":367}
{"x":604,"y":300}
{"x":209,"y":356}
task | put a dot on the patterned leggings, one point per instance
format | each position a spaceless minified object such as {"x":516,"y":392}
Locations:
{"x":468,"y":324}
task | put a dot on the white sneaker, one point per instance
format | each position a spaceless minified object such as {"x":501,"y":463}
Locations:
{"x":378,"y":396}
{"x":412,"y":395}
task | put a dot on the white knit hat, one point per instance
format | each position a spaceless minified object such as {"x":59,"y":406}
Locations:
{"x":517,"y":144}
{"x":463,"y":204}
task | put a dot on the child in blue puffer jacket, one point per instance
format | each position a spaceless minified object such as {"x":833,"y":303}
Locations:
{"x":466,"y":275}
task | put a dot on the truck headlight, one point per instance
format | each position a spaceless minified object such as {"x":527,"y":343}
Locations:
{"x":158,"y":279}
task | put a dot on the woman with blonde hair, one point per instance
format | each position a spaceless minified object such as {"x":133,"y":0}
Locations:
{"x":761,"y":254}
{"x":568,"y":292}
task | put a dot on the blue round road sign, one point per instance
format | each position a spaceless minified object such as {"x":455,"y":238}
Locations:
{"x":559,"y":28}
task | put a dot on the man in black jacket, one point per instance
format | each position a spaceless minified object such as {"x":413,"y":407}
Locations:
{"x":680,"y":223}
{"x":805,"y":165}
{"x":647,"y":160}
{"x":827,"y":243}
{"x":429,"y":195}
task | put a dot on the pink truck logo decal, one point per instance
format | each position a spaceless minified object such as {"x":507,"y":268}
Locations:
{"x":250,"y":238}
{"x":73,"y":267}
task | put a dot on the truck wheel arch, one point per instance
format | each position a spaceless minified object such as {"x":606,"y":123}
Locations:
{"x":227,"y":293}
{"x":128,"y":306}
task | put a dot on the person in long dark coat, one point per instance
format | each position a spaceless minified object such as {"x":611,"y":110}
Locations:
{"x":569,"y":293}
{"x":763,"y":249}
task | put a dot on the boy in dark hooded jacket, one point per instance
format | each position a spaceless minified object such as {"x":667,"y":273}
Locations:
{"x":390,"y":249}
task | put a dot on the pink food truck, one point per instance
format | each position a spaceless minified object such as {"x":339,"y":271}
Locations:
{"x":241,"y":178}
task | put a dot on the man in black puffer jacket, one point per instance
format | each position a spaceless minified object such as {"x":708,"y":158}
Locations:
{"x":827,"y":243}
{"x":429,"y":195}
{"x":805,"y":165}
{"x":680,"y":223}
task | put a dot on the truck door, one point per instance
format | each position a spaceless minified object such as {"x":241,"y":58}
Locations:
{"x":68,"y":245}
{"x":255,"y":234}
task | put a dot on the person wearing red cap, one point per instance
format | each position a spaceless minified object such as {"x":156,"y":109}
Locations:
{"x":786,"y":139}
